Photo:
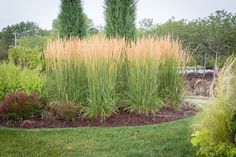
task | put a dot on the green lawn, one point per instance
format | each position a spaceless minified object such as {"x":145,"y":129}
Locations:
{"x":163,"y":140}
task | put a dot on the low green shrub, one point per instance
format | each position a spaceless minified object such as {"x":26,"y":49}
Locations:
{"x":20,"y":106}
{"x":31,"y":81}
{"x":65,"y":110}
{"x":9,"y":78}
{"x":201,"y":139}
{"x":26,"y":57}
{"x":2,"y":87}
{"x":213,"y":130}
{"x":13,"y":79}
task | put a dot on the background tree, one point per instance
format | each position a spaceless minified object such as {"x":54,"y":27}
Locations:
{"x":55,"y":31}
{"x":120,"y":18}
{"x":92,"y":29}
{"x":31,"y":42}
{"x":210,"y":37}
{"x":146,"y":24}
{"x":23,"y":29}
{"x":72,"y":19}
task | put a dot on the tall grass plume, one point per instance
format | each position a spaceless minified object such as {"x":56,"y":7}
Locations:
{"x":101,"y":74}
{"x":154,"y":77}
{"x":85,"y":72}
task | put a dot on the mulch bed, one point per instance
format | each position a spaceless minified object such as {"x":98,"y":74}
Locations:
{"x":119,"y":119}
{"x":198,"y":84}
{"x":123,"y":118}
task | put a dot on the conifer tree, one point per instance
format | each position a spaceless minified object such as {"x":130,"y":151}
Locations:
{"x":72,"y":19}
{"x":120,"y":18}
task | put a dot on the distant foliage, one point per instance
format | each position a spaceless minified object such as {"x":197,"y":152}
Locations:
{"x":72,"y":19}
{"x":120,"y":16}
{"x":32,"y":42}
{"x":55,"y":31}
{"x":27,"y":33}
{"x":22,"y":29}
{"x":29,"y":52}
{"x":216,"y":34}
{"x":20,"y":106}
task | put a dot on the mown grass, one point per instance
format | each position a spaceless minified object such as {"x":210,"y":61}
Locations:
{"x":163,"y":140}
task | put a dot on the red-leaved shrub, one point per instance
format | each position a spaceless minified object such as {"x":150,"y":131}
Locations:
{"x":20,"y":106}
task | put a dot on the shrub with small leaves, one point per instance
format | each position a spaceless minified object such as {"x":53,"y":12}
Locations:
{"x":65,"y":110}
{"x":20,"y":106}
{"x":26,"y":57}
{"x":14,"y":79}
{"x":201,"y":140}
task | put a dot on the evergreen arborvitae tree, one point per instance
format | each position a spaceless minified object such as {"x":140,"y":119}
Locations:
{"x":72,"y":19}
{"x":120,"y":18}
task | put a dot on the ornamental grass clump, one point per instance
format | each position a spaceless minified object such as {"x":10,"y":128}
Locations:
{"x":103,"y":61}
{"x":154,"y":77}
{"x":85,"y":72}
{"x":65,"y":71}
{"x":170,"y":66}
{"x":216,"y":124}
{"x":101,"y":75}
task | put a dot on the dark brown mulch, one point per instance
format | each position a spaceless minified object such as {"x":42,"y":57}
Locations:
{"x":118,"y":119}
{"x":198,"y":84}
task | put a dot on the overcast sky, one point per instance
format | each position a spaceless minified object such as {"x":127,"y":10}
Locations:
{"x":44,"y":11}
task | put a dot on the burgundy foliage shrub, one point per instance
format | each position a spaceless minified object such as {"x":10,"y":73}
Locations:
{"x":20,"y":106}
